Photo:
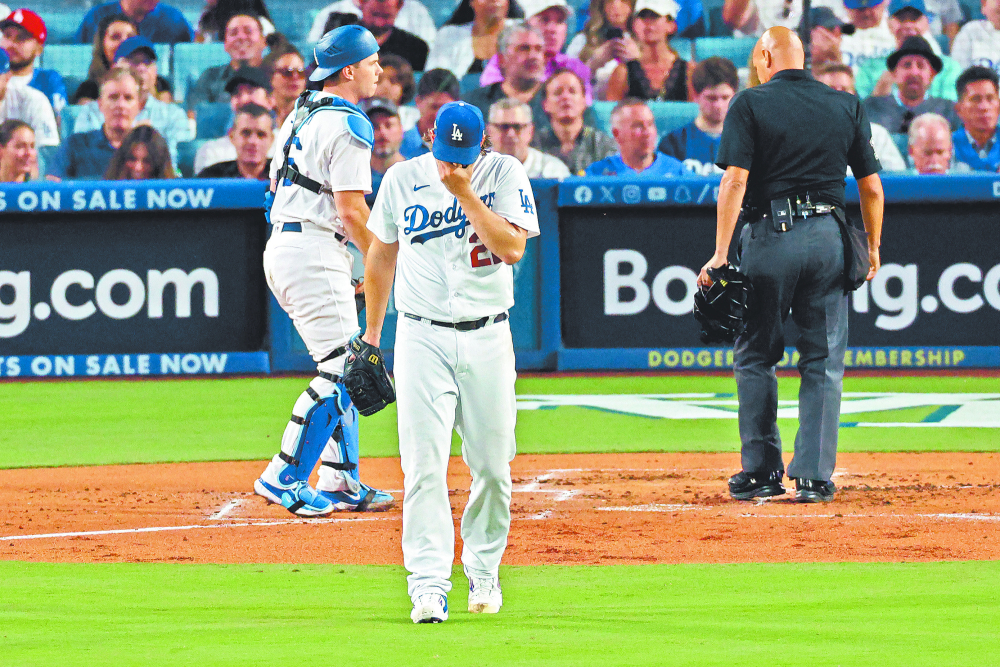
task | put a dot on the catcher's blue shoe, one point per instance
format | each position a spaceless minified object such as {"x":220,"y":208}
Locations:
{"x":297,"y":497}
{"x":366,"y":499}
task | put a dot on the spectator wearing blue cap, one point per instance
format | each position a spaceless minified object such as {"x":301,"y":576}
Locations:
{"x":138,"y":54}
{"x":978,"y":43}
{"x":907,"y":18}
{"x":24,"y":103}
{"x":913,"y":66}
{"x":24,"y":35}
{"x":634,"y":129}
{"x":245,"y":42}
{"x":159,"y":23}
{"x":978,"y":106}
{"x":87,"y":155}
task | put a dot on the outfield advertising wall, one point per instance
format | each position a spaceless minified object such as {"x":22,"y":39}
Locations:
{"x":630,"y":254}
{"x":158,"y":278}
{"x":164,"y":278}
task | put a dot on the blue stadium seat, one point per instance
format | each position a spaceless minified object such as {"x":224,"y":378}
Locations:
{"x":213,"y":119}
{"x":67,"y":119}
{"x":190,"y":60}
{"x":716,"y":26}
{"x":186,"y":151}
{"x":669,"y":115}
{"x":305,"y":47}
{"x":68,"y":59}
{"x":736,"y":49}
{"x":468,"y":82}
{"x":61,"y":26}
{"x":943,"y":42}
{"x":46,"y":154}
{"x":164,"y":56}
{"x":682,"y":46}
{"x":973,"y":10}
{"x":441,"y":10}
{"x":902,"y":142}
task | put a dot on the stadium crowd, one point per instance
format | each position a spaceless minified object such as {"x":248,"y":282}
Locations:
{"x":610,"y":87}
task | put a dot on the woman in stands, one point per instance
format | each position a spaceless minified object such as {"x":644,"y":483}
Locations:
{"x":606,"y":41}
{"x":18,"y":157}
{"x":658,"y":73}
{"x":142,"y":155}
{"x":397,"y":84}
{"x":111,"y":32}
{"x":288,"y":78}
{"x":217,"y":13}
{"x":467,"y":41}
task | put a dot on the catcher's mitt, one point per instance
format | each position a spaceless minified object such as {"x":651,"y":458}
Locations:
{"x":366,"y":379}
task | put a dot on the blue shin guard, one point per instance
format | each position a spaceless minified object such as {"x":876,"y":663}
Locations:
{"x":343,"y":456}
{"x":315,"y":417}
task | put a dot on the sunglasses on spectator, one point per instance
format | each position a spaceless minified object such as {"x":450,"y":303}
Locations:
{"x":291,"y":72}
{"x":507,"y":127}
{"x":136,"y":61}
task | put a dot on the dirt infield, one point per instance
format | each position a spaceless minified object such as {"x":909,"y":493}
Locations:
{"x":637,"y":508}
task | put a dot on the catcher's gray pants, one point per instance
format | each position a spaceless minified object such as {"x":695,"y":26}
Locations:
{"x":801,"y":271}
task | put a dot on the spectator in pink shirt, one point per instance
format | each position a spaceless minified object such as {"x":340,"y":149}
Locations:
{"x":551,"y":18}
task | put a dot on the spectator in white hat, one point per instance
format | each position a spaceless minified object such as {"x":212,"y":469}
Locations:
{"x":659,"y":73}
{"x":550,"y":18}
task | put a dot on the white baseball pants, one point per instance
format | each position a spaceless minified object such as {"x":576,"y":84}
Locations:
{"x":464,"y":380}
{"x":309,"y":273}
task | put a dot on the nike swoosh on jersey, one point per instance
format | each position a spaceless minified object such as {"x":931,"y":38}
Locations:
{"x":420,"y":187}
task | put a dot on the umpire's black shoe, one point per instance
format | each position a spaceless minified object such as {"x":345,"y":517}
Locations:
{"x":814,"y":490}
{"x":750,"y":485}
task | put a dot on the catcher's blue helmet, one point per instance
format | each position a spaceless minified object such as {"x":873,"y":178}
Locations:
{"x":341,"y":47}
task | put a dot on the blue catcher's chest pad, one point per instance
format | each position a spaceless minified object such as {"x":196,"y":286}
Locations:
{"x":361,"y":129}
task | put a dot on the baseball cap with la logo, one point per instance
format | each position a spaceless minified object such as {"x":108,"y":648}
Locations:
{"x":458,"y":133}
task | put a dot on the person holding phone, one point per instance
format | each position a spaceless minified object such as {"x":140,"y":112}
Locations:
{"x":606,"y":40}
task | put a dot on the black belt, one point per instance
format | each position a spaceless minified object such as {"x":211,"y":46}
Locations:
{"x":297,"y":227}
{"x":469,"y":325}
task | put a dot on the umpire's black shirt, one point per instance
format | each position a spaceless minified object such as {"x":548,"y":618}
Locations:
{"x":796,"y":135}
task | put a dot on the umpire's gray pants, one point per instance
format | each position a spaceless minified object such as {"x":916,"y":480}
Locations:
{"x":801,"y":271}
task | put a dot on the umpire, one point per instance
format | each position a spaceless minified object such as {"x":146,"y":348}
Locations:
{"x":786,"y":146}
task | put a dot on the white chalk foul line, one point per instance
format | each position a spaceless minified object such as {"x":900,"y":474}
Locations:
{"x":654,"y":508}
{"x":226,"y":509}
{"x":163,"y":529}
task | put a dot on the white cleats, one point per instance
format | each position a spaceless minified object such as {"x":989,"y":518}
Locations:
{"x":430,"y":608}
{"x":485,"y":596}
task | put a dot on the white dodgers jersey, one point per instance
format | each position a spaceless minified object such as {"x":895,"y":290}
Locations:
{"x":443,"y":271}
{"x":324,"y":150}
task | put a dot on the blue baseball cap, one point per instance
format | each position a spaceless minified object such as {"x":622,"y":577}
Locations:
{"x":862,"y":4}
{"x":133,"y":44}
{"x":4,"y":62}
{"x":458,"y":133}
{"x":900,"y":5}
{"x":341,"y":47}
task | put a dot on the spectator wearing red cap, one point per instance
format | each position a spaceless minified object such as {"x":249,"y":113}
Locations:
{"x":27,"y":104}
{"x":159,"y":23}
{"x":24,"y":38}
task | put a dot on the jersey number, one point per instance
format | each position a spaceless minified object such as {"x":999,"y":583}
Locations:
{"x":480,"y":255}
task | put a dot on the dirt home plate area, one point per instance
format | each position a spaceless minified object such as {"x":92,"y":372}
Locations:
{"x":567,"y":509}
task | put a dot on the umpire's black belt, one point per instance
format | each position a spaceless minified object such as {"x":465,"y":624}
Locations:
{"x":469,"y":325}
{"x":297,"y":227}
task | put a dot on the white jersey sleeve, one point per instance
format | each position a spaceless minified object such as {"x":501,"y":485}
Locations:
{"x":515,"y":202}
{"x":382,"y":220}
{"x":350,"y":166}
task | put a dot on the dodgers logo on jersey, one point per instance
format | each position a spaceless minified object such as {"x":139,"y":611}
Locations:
{"x":418,"y":218}
{"x":526,"y":203}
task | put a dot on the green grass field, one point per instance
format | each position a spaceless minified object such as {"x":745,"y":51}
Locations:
{"x":164,"y":614}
